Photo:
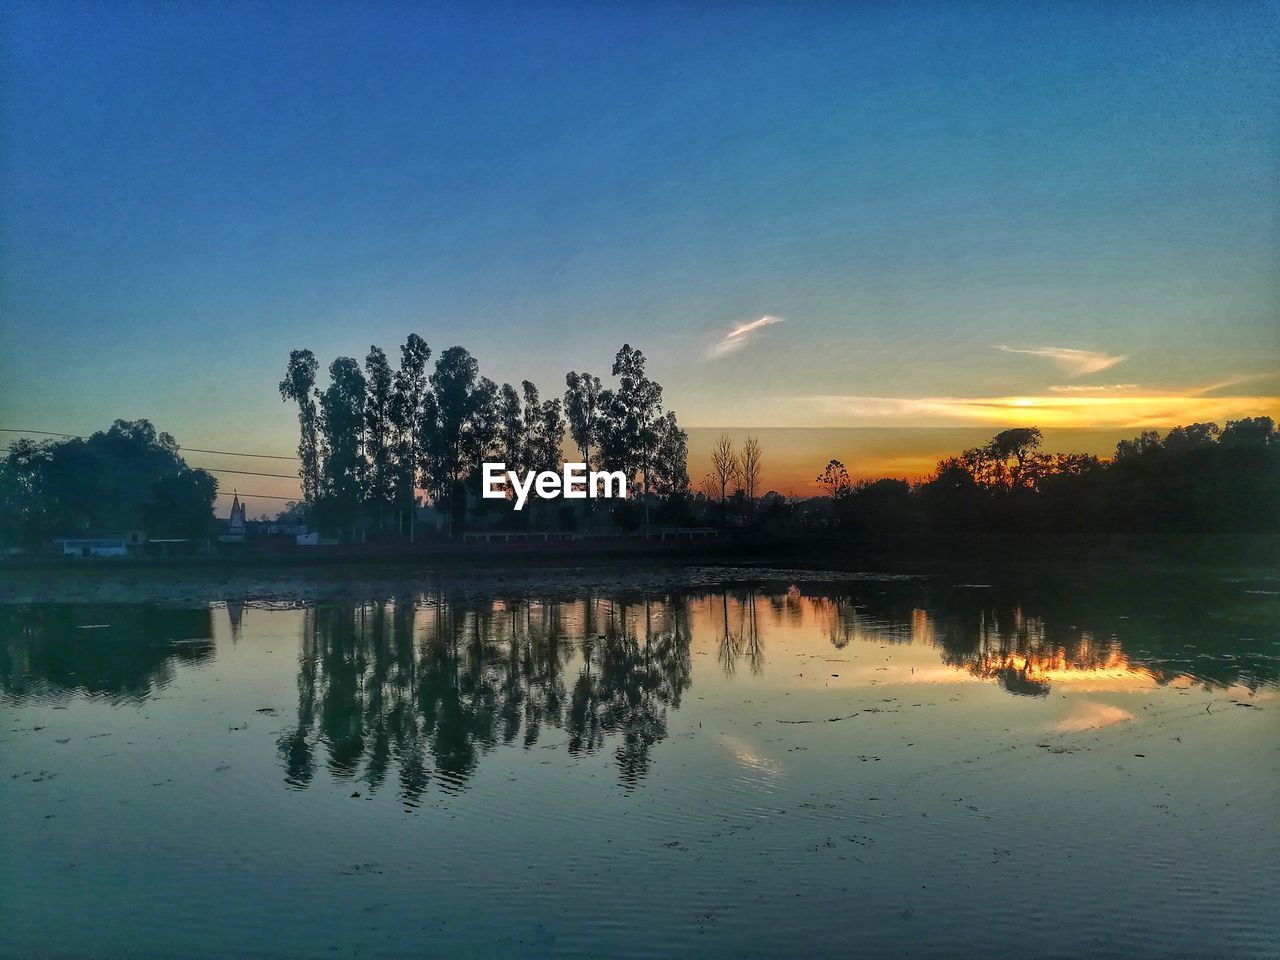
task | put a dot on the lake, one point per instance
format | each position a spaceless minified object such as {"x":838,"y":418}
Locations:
{"x":714,"y":763}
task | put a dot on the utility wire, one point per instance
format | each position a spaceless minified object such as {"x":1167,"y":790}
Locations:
{"x":225,"y":453}
{"x":232,"y":453}
{"x":250,"y":473}
{"x":221,"y":453}
{"x":42,"y":433}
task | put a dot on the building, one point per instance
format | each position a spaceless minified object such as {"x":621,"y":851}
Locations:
{"x":237,"y":523}
{"x":92,"y":544}
{"x":117,"y":546}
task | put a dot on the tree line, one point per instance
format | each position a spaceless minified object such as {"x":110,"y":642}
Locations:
{"x":1197,"y":478}
{"x":364,"y":457}
{"x":375,"y":436}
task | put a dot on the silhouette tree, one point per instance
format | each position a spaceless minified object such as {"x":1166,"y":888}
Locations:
{"x":671,"y":459}
{"x":511,"y":428}
{"x":951,"y":499}
{"x":633,"y":413}
{"x":447,"y":411}
{"x":28,"y":513}
{"x":834,"y":478}
{"x":129,"y":477}
{"x":881,"y":507}
{"x":433,"y":432}
{"x":531,"y":416}
{"x":1017,"y":444}
{"x":750,"y":462}
{"x":484,"y":429}
{"x":342,"y":432}
{"x":1190,"y":437}
{"x":542,"y":431}
{"x":299,"y":386}
{"x":1144,"y":442}
{"x":379,"y":434}
{"x":582,"y":408}
{"x":549,"y":439}
{"x":709,"y":487}
{"x":405,"y":413}
{"x":1195,"y":479}
{"x":1251,"y":431}
{"x":724,"y":469}
{"x":181,"y":505}
{"x":461,"y":424}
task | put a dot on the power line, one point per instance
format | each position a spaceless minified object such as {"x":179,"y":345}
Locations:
{"x":227,"y":453}
{"x":251,"y":473}
{"x":256,"y":496}
{"x":232,"y":453}
{"x":42,"y":433}
{"x":221,"y":453}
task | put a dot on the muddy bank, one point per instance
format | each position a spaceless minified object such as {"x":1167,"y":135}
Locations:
{"x":300,"y":585}
{"x":280,"y":584}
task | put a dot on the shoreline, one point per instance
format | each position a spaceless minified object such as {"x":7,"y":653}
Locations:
{"x":554,"y":570}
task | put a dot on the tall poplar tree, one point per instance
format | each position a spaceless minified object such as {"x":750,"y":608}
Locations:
{"x":583,"y":409}
{"x":409,"y":393}
{"x":342,"y":435}
{"x":299,"y":385}
{"x":379,"y":438}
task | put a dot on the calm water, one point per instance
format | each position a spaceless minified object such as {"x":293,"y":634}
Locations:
{"x":874,"y":767}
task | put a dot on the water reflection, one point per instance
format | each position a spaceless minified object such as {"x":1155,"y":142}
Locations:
{"x":429,"y":685}
{"x":117,"y":652}
{"x":740,"y":631}
{"x":417,"y":690}
{"x":429,"y":689}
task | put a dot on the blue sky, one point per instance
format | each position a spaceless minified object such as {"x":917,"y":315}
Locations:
{"x":187,"y":191}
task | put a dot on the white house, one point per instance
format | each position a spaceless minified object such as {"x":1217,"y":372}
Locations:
{"x":94,"y":546}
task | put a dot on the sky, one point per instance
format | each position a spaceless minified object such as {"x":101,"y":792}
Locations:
{"x":832,"y":218}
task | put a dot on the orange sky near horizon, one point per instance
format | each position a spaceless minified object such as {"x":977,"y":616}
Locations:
{"x":793,"y":457}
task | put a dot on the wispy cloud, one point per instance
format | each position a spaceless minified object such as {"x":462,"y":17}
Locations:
{"x":1232,"y":381}
{"x":1099,"y":388}
{"x":1191,"y":390}
{"x":1149,"y":408}
{"x":741,"y":335}
{"x":1077,"y":363}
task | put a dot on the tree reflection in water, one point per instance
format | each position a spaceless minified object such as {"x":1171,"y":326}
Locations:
{"x":740,"y":632}
{"x":422,"y":688}
{"x":431,"y":688}
{"x":1164,"y":636}
{"x":117,"y":652}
